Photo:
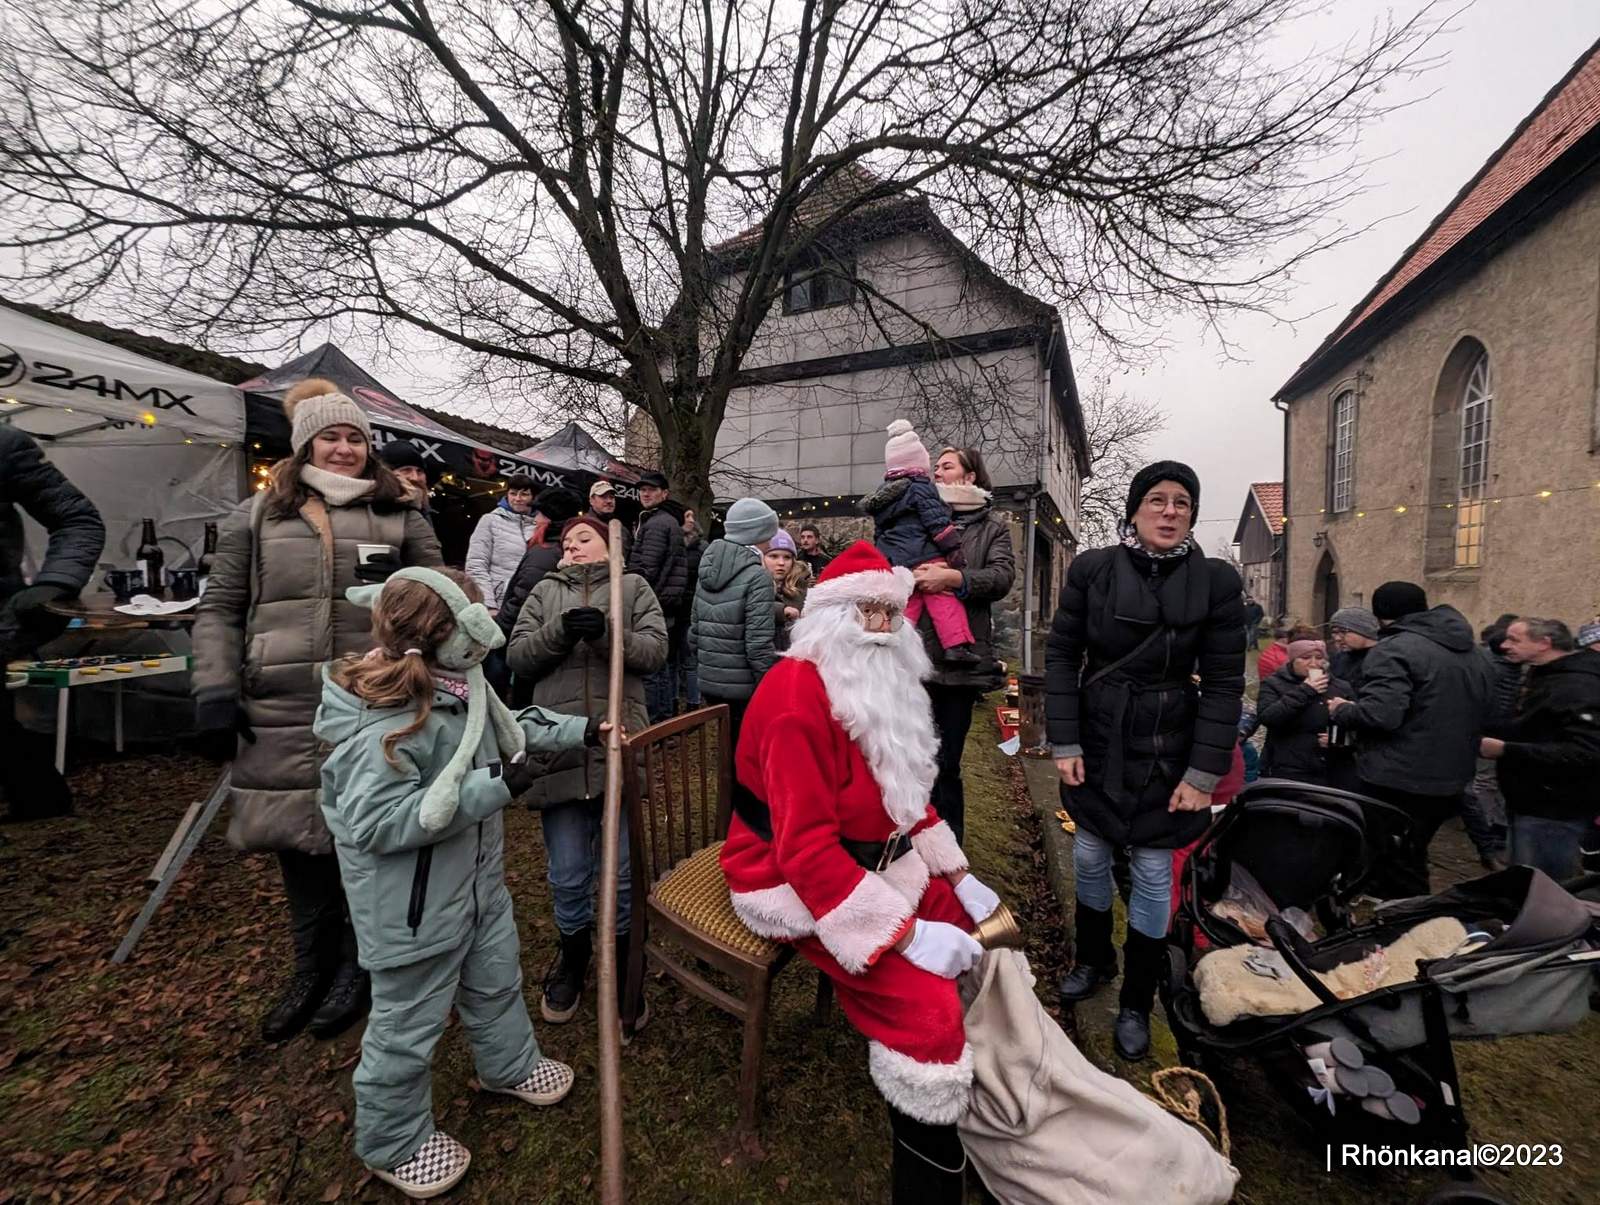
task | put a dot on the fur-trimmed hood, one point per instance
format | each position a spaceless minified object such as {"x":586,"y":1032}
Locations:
{"x":964,"y":496}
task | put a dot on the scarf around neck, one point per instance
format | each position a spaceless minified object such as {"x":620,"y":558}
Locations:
{"x":336,"y":489}
{"x":1130,"y":540}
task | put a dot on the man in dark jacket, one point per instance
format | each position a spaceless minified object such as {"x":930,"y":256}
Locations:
{"x":603,"y":506}
{"x":1254,"y":613}
{"x":658,"y":557}
{"x":1354,"y":632}
{"x":1423,"y":701}
{"x":1139,"y":748}
{"x":694,"y":547}
{"x":405,"y":458}
{"x":1548,"y":754}
{"x":28,"y":778}
{"x":811,"y":550}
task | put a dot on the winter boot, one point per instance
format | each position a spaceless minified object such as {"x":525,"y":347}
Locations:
{"x":563,"y":985}
{"x":299,"y":999}
{"x":928,"y":1166}
{"x":347,"y":1001}
{"x":1143,"y":961}
{"x":962,"y":654}
{"x":1094,"y":959}
{"x":436,"y":1168}
{"x":642,"y":1018}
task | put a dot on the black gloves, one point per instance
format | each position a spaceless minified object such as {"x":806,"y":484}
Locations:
{"x":518,"y":776}
{"x":585,"y":623}
{"x":221,"y":725}
{"x":378,"y":568}
{"x":591,"y":734}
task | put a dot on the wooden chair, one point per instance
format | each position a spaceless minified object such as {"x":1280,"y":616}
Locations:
{"x":678,"y":799}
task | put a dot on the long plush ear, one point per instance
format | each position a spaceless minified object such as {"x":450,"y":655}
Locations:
{"x":365,"y":596}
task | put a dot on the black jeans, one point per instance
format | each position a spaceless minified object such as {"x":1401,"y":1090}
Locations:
{"x":1400,"y":868}
{"x":952,"y":718}
{"x":28,"y":779}
{"x":318,"y":916}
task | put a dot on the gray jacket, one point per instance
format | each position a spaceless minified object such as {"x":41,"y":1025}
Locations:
{"x":498,"y":543}
{"x":273,"y":615}
{"x":990,"y":569}
{"x":1423,"y":702}
{"x":572,"y":676}
{"x":731,"y":628}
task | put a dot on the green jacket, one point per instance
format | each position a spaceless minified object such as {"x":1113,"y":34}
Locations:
{"x":415,"y":894}
{"x":731,"y":628}
{"x":573,"y":675}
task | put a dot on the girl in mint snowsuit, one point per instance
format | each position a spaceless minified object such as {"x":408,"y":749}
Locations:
{"x":425,"y":758}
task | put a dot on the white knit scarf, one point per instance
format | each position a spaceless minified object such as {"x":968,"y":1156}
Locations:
{"x":335,"y":488}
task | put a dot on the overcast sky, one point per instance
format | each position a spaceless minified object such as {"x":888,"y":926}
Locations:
{"x":1500,"y":59}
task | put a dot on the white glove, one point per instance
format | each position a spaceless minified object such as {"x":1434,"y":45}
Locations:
{"x":977,"y":897}
{"x":942,"y":949}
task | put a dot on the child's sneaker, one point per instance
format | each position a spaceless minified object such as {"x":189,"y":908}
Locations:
{"x":548,"y":1083}
{"x":962,"y":654}
{"x":436,"y":1168}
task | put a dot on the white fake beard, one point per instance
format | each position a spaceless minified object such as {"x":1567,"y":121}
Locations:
{"x":874,"y":684}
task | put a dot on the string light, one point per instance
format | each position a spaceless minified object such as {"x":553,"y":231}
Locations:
{"x":1399,"y":510}
{"x":1542,"y":493}
{"x":148,"y":418}
{"x":1405,"y":507}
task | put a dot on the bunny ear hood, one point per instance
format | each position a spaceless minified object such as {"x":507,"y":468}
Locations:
{"x":476,"y":635}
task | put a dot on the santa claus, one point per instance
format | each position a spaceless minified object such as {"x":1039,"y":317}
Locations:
{"x":841,"y":853}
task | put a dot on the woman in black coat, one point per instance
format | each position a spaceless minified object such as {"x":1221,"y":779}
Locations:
{"x":1139,"y":746}
{"x":1292,"y":708}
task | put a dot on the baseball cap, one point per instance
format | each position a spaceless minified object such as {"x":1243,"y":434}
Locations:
{"x":601,"y":487}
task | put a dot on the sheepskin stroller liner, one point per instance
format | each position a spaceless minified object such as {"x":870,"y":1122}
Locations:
{"x":1307,"y":848}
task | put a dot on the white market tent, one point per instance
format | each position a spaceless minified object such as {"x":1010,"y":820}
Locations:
{"x":141,"y":438}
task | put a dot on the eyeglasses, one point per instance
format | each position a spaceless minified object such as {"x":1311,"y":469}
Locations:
{"x":1156,"y":503}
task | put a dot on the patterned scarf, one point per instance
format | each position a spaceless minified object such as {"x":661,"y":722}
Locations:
{"x":454,"y":686}
{"x":1130,"y":540}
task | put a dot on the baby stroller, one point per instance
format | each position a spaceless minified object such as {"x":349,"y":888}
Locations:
{"x":1366,"y":1044}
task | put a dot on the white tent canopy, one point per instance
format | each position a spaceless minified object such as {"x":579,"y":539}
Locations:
{"x":142,"y":439}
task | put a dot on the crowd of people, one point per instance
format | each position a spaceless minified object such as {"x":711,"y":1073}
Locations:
{"x":379,"y":711}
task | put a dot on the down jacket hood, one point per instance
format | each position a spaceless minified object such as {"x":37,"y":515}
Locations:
{"x":1443,"y":625}
{"x":724,"y":560}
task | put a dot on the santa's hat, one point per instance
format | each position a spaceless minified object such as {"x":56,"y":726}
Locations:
{"x":860,"y":574}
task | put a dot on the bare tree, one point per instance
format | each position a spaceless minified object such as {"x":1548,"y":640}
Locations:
{"x":1228,"y":551}
{"x":603,"y":201}
{"x":1119,"y":429}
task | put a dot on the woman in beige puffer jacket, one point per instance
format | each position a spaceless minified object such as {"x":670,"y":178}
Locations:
{"x":274,"y":612}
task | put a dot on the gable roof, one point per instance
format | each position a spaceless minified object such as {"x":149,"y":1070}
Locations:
{"x":1567,"y":115}
{"x":1266,"y":499}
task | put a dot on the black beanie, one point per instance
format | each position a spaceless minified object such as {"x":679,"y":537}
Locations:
{"x":401,"y":454}
{"x":1163,"y":470}
{"x":557,"y":504}
{"x":1396,"y":600}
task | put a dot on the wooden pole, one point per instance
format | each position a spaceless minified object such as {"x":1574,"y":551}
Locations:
{"x":609,"y":1021}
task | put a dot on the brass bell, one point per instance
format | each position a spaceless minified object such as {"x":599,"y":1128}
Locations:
{"x":999,"y":931}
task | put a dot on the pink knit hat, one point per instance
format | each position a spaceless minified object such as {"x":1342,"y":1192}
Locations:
{"x":904,"y":452}
{"x":1304,"y":648}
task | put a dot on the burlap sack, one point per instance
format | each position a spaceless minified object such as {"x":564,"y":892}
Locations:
{"x":1047,"y":1127}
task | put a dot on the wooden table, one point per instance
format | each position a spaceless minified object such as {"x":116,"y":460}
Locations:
{"x":98,"y":611}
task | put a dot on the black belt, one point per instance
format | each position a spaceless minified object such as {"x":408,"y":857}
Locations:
{"x":872,"y":855}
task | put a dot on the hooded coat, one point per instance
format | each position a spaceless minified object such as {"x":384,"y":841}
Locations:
{"x":1294,"y":715}
{"x":911,"y":523}
{"x":1551,"y":764}
{"x":573,"y":676}
{"x":274,"y":613}
{"x":658,"y":555}
{"x":412,"y":893}
{"x":731,"y":629}
{"x":989,"y":567}
{"x":32,"y":484}
{"x":498,"y":543}
{"x":1144,"y":726}
{"x":1424,"y":699}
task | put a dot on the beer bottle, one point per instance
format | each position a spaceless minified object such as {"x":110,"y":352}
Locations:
{"x":149,"y":560}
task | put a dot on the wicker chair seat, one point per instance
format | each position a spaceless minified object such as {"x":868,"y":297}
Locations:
{"x":695,"y":892}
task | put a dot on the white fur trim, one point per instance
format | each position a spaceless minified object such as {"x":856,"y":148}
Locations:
{"x":774,"y":912}
{"x":863,"y":923}
{"x":907,"y":874}
{"x":934,"y":1093}
{"x":937,"y":846}
{"x":870,"y":586}
{"x":962,"y":495}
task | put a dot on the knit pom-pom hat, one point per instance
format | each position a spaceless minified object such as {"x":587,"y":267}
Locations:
{"x":314,"y":405}
{"x":904,"y":452}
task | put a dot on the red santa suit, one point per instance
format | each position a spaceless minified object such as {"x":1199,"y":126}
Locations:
{"x":831,"y":766}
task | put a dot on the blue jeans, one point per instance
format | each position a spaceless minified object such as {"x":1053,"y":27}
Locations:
{"x":1150,"y":906}
{"x":1553,"y":846}
{"x":572,"y":857}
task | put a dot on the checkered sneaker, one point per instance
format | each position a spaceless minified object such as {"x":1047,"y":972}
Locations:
{"x":547,"y":1083}
{"x":436,"y":1168}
